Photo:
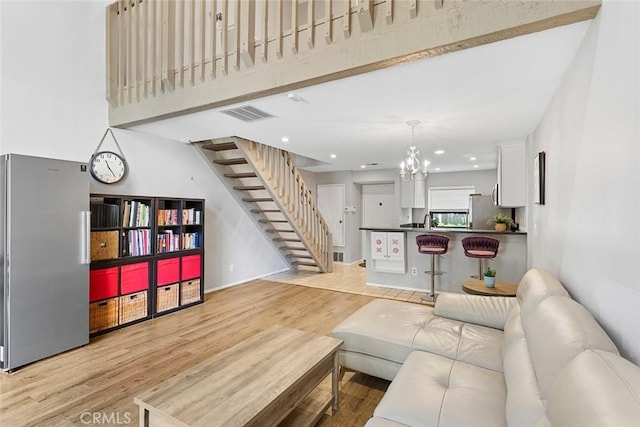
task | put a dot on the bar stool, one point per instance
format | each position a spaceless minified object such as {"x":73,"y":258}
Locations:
{"x":481,"y":248}
{"x":434,"y":245}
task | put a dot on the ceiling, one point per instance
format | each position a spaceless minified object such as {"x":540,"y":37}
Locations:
{"x":467,"y":103}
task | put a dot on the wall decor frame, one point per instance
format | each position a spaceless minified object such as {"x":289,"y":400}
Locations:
{"x":539,"y":178}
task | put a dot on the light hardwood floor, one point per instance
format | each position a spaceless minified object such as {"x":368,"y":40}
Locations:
{"x":101,"y":379}
{"x":349,"y":278}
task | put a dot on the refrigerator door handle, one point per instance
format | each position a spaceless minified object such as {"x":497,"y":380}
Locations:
{"x":494,"y":195}
{"x":85,"y":244}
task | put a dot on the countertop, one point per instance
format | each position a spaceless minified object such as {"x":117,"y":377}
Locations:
{"x":443,"y":230}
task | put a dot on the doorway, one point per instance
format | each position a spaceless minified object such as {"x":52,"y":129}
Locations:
{"x":331,"y":205}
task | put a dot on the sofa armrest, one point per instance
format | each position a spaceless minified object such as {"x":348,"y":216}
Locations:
{"x":480,"y":310}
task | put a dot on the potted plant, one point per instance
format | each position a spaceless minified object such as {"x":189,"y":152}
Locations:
{"x":501,"y":222}
{"x":490,"y":277}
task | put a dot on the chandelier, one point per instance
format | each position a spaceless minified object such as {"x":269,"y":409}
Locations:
{"x":411,"y":168}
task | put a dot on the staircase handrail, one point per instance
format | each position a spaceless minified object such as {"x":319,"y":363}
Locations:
{"x":276,"y":166}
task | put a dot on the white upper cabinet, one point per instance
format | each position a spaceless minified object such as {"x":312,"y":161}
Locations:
{"x":511,"y":188}
{"x":413,"y":194}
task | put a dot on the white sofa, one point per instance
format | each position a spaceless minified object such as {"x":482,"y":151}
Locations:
{"x":539,"y":359}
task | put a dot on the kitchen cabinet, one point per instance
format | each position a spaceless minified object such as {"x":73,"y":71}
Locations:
{"x":413,"y":194}
{"x":510,"y":190}
{"x":388,"y":252}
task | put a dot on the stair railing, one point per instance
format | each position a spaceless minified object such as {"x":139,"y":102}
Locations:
{"x":277,"y":168}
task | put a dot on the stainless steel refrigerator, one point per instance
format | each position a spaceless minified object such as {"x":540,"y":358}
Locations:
{"x":45,"y":257}
{"x":482,"y":210}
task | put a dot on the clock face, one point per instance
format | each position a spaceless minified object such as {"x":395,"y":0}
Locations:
{"x":108,"y":167}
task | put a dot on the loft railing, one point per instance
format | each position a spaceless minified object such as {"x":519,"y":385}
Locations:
{"x":166,"y":57}
{"x":285,"y":182}
{"x":154,"y":46}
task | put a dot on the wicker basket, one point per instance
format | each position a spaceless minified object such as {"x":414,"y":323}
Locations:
{"x":104,"y":245}
{"x":167,"y":297}
{"x":133,"y":307}
{"x":189,"y":291}
{"x":103,"y":315}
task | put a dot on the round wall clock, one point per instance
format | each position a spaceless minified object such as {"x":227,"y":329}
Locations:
{"x":108,"y":167}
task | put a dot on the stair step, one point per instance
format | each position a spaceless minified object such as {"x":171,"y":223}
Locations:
{"x":257,"y":199}
{"x":275,"y":230}
{"x":241,"y":175}
{"x":299,"y":256}
{"x":248,"y":187}
{"x":308,"y":264}
{"x":264,"y":221}
{"x":266,"y":211}
{"x":284,"y":239}
{"x":227,"y":162}
{"x":223,"y":146}
{"x":292,"y":248}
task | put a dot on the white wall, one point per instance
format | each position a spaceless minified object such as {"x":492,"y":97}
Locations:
{"x":587,"y":233}
{"x":53,"y":105}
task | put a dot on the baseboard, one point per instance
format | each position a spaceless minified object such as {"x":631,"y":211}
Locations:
{"x":402,"y":288}
{"x":228,"y":285}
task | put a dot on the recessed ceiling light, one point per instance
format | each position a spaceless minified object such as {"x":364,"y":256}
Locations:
{"x":475,"y":166}
{"x":294,"y":97}
{"x":439,"y":152}
{"x":363,"y":166}
{"x":437,"y":169}
{"x":284,"y":139}
{"x":472,"y":159}
{"x":333,"y":156}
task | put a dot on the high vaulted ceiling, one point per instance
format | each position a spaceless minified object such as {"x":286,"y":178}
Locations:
{"x":467,"y":102}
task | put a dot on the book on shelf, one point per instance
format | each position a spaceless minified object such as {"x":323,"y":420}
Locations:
{"x":104,"y":215}
{"x":190,"y":240}
{"x":168,"y":217}
{"x":136,"y":214}
{"x":190,"y":216}
{"x":138,"y":242}
{"x":168,"y":241}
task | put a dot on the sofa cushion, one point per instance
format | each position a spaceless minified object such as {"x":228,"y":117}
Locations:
{"x":390,"y":330}
{"x":476,"y":309}
{"x":383,"y":328}
{"x":474,"y":344}
{"x":537,"y":285}
{"x":596,"y":388}
{"x":432,"y":390}
{"x":556,"y":331}
{"x":524,"y":403}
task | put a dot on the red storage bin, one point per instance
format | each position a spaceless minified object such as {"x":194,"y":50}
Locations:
{"x":103,"y":283}
{"x":190,"y":267}
{"x":168,"y":271}
{"x":134,"y":277}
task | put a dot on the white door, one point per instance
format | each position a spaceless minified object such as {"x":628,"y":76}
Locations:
{"x":331,"y":205}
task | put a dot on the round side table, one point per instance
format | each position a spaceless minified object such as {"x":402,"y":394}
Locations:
{"x":501,"y":289}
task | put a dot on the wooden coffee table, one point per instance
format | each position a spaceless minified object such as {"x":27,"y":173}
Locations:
{"x":477,"y":287}
{"x":263,"y":381}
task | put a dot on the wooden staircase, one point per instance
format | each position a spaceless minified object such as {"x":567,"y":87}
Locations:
{"x":265,"y":182}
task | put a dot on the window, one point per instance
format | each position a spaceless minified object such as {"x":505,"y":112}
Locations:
{"x":450,"y":219}
{"x":449,"y":206}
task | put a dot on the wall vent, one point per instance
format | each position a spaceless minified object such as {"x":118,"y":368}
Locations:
{"x":246,"y":113}
{"x":338,"y":256}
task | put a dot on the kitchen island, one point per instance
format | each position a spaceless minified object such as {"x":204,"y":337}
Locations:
{"x":393,"y":259}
